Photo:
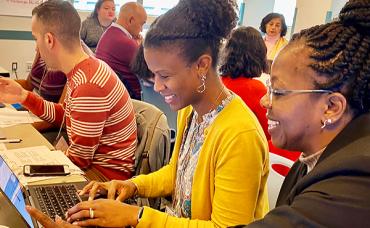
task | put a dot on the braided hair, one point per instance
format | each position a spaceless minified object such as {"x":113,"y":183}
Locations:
{"x":341,"y":53}
{"x":195,"y":27}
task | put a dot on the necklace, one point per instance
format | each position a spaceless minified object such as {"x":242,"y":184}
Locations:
{"x":215,"y":104}
{"x":102,"y":27}
{"x":42,"y":78}
{"x":67,"y":99}
{"x":218,"y":97}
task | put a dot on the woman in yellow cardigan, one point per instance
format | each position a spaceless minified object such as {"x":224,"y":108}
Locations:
{"x":217,"y":174}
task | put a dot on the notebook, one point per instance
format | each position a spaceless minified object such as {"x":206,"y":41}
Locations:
{"x":52,"y":199}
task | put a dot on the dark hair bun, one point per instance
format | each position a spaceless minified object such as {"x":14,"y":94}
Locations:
{"x":357,"y":14}
{"x":215,"y":18}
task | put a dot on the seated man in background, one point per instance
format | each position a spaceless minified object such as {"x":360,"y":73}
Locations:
{"x":49,"y":84}
{"x":97,"y":110}
{"x":118,"y":45}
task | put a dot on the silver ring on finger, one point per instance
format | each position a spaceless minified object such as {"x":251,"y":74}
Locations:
{"x":91,"y":213}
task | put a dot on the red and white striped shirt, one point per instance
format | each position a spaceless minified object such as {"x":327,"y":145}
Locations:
{"x":99,"y":117}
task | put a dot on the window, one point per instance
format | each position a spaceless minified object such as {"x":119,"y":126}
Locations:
{"x":287,"y":8}
{"x":89,"y":5}
{"x":241,"y":8}
{"x":156,"y":7}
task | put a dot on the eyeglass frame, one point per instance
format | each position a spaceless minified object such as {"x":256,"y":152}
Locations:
{"x":282,"y":92}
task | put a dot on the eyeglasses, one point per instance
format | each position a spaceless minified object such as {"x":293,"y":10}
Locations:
{"x":283,"y":92}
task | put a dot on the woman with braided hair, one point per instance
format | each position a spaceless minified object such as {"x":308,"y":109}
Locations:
{"x":218,"y":171}
{"x":318,"y":102}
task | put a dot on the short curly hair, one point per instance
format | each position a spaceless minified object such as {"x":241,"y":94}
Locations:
{"x":244,"y":54}
{"x":271,"y":16}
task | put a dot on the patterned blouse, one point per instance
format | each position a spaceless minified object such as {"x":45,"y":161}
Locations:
{"x":91,"y":31}
{"x":188,"y":159}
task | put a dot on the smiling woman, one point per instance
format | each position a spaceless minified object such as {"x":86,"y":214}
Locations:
{"x":217,"y":174}
{"x":318,"y":103}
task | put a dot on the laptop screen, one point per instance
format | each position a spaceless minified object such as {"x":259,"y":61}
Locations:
{"x":9,"y":183}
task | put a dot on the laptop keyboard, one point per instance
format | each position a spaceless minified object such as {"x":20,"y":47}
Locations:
{"x":57,"y":199}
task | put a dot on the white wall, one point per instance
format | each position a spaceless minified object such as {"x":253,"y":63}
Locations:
{"x":336,"y":6}
{"x":255,"y":11}
{"x":310,"y":13}
{"x":20,"y":51}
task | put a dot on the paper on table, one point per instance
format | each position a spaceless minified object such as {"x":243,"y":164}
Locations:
{"x":34,"y":117}
{"x":2,"y":147}
{"x":17,"y":158}
{"x":10,"y":117}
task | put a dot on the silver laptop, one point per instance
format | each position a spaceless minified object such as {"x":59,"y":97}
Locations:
{"x":53,"y":199}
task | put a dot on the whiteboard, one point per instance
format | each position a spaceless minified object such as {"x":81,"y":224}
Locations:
{"x":18,"y":7}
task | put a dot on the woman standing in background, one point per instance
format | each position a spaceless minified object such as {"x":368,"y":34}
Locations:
{"x":99,"y":20}
{"x":273,"y":25}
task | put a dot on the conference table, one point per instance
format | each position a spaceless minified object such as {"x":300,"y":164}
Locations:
{"x":30,"y":138}
{"x":28,"y":134}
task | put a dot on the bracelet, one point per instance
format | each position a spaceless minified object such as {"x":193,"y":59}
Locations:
{"x":140,"y":214}
{"x":137,"y":189}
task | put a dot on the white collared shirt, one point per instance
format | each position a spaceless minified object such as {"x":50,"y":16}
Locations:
{"x":123,"y":29}
{"x":311,"y":160}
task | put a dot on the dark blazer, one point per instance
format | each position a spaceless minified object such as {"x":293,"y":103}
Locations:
{"x":336,"y":193}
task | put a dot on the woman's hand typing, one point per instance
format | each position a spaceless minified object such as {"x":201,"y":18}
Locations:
{"x":119,"y":190}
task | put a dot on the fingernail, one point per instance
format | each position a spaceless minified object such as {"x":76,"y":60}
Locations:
{"x":75,"y":223}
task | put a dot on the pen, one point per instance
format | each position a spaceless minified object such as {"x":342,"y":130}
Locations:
{"x":10,"y":140}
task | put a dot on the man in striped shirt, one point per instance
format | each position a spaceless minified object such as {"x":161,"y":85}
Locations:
{"x":97,"y":110}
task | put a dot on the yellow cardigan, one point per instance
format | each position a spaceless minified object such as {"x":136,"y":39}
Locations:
{"x":277,"y":47}
{"x":229,"y":183}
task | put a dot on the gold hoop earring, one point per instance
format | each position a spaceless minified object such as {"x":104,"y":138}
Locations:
{"x":326,"y":123}
{"x":202,"y":86}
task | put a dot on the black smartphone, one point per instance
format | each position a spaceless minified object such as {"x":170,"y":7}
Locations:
{"x":2,"y":105}
{"x":45,"y":170}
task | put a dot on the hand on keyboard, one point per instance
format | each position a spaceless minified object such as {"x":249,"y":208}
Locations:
{"x":119,"y":190}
